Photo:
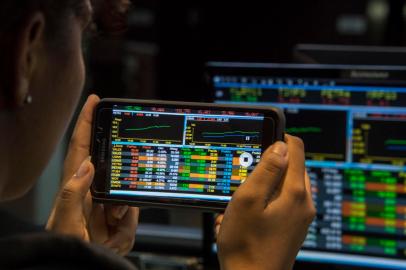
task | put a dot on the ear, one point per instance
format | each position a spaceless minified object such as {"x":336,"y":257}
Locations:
{"x":25,"y":49}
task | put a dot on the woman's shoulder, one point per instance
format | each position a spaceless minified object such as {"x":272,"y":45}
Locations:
{"x":51,"y":251}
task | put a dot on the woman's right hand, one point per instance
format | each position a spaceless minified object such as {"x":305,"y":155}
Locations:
{"x":267,"y":219}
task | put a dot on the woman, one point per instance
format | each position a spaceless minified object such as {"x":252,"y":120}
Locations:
{"x":41,"y":79}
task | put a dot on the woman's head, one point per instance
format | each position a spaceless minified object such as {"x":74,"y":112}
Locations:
{"x":33,"y":30}
{"x":41,"y":57}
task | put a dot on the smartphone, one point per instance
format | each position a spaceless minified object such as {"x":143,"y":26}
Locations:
{"x":161,"y":153}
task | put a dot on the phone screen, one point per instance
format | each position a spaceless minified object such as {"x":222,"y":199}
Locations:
{"x":182,"y":153}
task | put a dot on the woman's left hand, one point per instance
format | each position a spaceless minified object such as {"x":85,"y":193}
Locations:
{"x":74,"y":213}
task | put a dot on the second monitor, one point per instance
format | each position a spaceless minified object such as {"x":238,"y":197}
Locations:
{"x":353,"y":123}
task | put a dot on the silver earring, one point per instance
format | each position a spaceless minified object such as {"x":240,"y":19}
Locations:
{"x":28,"y":99}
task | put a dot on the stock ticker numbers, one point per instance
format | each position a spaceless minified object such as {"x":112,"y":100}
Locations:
{"x":335,"y":96}
{"x":313,"y":127}
{"x":355,"y":148}
{"x":183,"y":153}
{"x":379,"y":138}
{"x":246,"y":94}
{"x":359,"y":211}
{"x":299,"y":91}
{"x":381,"y":98}
{"x":216,"y":131}
{"x":291,"y":95}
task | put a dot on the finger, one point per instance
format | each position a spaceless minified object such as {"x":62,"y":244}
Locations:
{"x":294,"y":184}
{"x":79,"y":146}
{"x":118,"y":211}
{"x":114,"y":213}
{"x":217,"y":224}
{"x":98,"y":232}
{"x":69,"y":207}
{"x":122,"y":239}
{"x":310,"y":201}
{"x":76,"y":189}
{"x":267,"y":176}
{"x":308,"y":184}
{"x":124,"y":232}
{"x":219,"y":219}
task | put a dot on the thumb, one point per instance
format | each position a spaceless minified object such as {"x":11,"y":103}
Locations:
{"x":268,"y":174}
{"x":75,"y":190}
{"x":69,"y":207}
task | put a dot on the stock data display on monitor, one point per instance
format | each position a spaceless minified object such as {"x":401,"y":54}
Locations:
{"x":352,"y":120}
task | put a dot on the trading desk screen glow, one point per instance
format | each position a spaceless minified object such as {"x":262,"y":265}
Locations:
{"x":355,"y":138}
{"x":182,"y":153}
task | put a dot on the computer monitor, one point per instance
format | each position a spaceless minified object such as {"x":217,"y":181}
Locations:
{"x":349,"y":54}
{"x":353,"y":123}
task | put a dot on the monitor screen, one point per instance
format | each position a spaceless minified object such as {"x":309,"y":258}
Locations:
{"x":352,"y":120}
{"x":349,"y":54}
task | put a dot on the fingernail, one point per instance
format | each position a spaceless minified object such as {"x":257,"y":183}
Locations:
{"x":280,"y":148}
{"x":122,"y":211}
{"x":217,"y":229}
{"x":83,"y":169}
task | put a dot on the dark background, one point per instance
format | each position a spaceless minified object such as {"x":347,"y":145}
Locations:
{"x":162,"y":55}
{"x":164,"y":51}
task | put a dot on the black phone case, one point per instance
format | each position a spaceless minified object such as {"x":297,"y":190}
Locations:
{"x":97,"y":197}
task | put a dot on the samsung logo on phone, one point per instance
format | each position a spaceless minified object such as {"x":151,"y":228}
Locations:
{"x":367,"y":74}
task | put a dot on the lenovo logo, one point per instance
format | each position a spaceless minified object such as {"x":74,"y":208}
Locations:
{"x":369,"y":74}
